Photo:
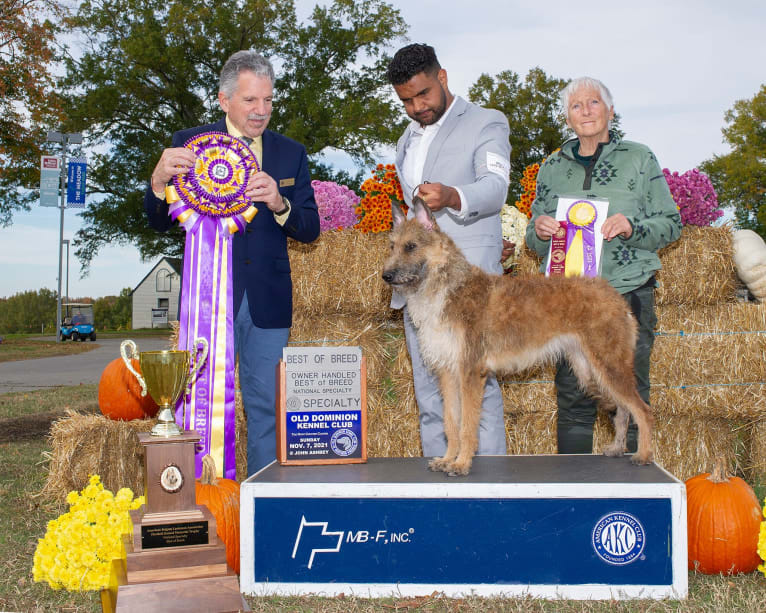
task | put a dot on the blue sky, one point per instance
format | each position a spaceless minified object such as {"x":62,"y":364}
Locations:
{"x":674,"y":69}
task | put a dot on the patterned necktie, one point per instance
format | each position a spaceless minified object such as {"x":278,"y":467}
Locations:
{"x":247,"y":140}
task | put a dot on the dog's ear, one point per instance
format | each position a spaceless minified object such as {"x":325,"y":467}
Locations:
{"x":423,"y":214}
{"x":397,"y":214}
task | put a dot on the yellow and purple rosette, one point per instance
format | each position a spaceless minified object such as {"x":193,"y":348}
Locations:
{"x":581,"y":257}
{"x":210,"y":204}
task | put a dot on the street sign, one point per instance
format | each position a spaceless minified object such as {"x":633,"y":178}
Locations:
{"x":50,"y":176}
{"x":75,"y":193}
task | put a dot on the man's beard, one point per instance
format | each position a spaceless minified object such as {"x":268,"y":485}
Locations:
{"x":438,"y":112}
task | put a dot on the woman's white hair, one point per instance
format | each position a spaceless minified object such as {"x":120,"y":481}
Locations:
{"x":584,"y":82}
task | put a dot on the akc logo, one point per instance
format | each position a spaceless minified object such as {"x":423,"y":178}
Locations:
{"x":618,"y":538}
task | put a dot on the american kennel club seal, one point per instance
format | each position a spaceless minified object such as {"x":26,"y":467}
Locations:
{"x":618,"y":538}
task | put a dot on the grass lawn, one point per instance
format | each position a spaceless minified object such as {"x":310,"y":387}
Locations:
{"x":12,"y":349}
{"x":23,"y":519}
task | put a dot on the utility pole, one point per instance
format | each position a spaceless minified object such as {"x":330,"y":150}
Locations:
{"x":74,"y":138}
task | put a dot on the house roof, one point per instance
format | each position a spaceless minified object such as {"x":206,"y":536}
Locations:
{"x":175,"y":263}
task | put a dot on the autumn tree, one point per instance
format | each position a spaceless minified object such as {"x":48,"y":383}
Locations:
{"x":28,"y":311}
{"x":28,"y":104}
{"x":151,"y":67}
{"x":739,"y":177}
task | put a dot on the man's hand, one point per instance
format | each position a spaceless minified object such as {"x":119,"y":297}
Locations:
{"x":616,"y":225}
{"x":262,"y":188}
{"x":438,"y":196}
{"x":173,"y":161}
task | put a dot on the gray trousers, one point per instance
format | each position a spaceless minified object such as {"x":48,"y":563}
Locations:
{"x":492,"y":440}
{"x":577,"y":411}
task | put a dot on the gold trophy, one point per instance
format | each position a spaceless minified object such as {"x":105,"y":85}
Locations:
{"x":165,"y":376}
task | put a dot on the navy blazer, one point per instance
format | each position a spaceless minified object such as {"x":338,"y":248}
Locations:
{"x":261,"y":266}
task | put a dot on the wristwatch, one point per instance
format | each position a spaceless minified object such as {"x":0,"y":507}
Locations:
{"x":286,"y":208}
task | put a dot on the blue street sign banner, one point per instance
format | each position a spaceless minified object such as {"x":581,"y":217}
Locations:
{"x":75,"y":192}
{"x":50,"y":177}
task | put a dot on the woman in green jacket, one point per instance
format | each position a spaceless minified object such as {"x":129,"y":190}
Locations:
{"x":641,"y":219}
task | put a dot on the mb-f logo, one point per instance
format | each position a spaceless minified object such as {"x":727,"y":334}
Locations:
{"x":316,"y":538}
{"x":618,"y":538}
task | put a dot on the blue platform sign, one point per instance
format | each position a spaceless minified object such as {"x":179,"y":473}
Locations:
{"x":75,"y":193}
{"x":581,"y":527}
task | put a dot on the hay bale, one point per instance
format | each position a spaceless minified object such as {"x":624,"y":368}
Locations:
{"x":683,"y":444}
{"x":725,"y":317}
{"x":755,"y":467}
{"x":531,"y":433}
{"x":709,"y":359}
{"x":88,"y":444}
{"x":534,"y":396}
{"x":743,"y":401}
{"x":698,"y":268}
{"x":340,"y":273}
{"x":393,"y":427}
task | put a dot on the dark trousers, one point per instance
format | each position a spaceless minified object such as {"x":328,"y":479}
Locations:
{"x":576,"y":410}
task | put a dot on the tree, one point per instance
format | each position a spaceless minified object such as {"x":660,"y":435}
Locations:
{"x":151,"y":67}
{"x":28,"y":104}
{"x":739,"y":177}
{"x":113,"y":312}
{"x":28,"y":311}
{"x":536,"y":123}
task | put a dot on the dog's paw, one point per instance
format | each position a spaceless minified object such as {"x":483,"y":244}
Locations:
{"x":640,"y":460}
{"x":459,"y":469}
{"x":614,"y":451}
{"x":439,"y":465}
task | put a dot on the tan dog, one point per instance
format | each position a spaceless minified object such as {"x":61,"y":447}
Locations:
{"x":470,"y":323}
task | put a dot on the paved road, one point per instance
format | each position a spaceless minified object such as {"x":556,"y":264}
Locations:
{"x":27,"y":375}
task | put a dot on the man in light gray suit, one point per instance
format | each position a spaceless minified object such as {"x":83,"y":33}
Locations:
{"x":456,"y":157}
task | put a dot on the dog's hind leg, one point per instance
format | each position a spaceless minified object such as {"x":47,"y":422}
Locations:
{"x":449,"y":387}
{"x":616,"y":448}
{"x":472,"y":384}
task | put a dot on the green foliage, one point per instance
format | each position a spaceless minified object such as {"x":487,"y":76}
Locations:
{"x":150,"y":68}
{"x":114,"y":312}
{"x":28,"y":311}
{"x":532,"y":108}
{"x":28,"y":106}
{"x":739,"y":177}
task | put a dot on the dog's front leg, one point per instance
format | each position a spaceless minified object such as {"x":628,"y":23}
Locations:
{"x":472,"y":384}
{"x":448,"y":385}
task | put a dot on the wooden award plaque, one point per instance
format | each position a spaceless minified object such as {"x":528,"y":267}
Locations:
{"x":174,"y":559}
{"x":322,"y":406}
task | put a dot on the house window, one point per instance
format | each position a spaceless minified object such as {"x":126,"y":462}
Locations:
{"x":164,"y":277}
{"x":163,"y":303}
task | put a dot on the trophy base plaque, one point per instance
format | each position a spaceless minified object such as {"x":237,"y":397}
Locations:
{"x":174,"y":560}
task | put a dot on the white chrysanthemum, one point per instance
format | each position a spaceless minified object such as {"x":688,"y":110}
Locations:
{"x":514,"y":224}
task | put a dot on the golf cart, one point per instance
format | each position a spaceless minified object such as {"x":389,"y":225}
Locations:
{"x":77,"y":322}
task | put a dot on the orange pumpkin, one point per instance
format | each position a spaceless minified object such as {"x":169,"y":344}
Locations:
{"x":724,"y":519}
{"x":119,"y":393}
{"x":221,"y":496}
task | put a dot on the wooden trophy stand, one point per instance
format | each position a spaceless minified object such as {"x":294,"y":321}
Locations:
{"x":174,"y":560}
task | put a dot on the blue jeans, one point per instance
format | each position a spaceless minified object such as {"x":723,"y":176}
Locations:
{"x":259,"y":350}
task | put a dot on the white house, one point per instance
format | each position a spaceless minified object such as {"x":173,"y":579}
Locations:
{"x":155,"y":298}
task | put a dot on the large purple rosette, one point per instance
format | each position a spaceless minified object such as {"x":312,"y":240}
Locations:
{"x":210,"y":204}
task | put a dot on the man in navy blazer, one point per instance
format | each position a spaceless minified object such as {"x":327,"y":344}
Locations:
{"x":284,"y":197}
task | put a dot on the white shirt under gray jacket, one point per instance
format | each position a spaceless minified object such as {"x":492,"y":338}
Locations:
{"x":468,"y":149}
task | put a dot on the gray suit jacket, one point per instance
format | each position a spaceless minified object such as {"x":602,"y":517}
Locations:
{"x":471,"y":151}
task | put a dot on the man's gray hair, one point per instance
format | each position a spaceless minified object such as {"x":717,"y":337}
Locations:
{"x":584,"y":82}
{"x":241,"y":61}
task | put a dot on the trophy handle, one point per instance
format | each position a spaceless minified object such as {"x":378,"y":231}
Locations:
{"x":197,"y":363}
{"x":128,"y":344}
